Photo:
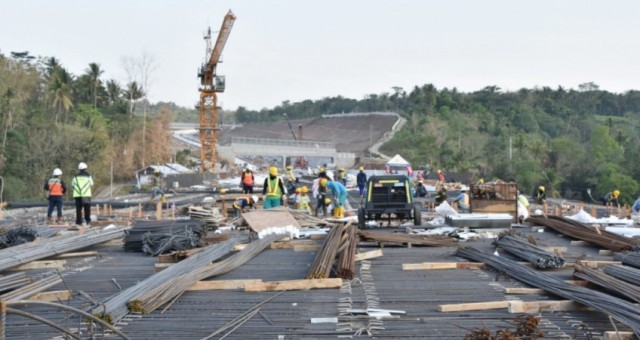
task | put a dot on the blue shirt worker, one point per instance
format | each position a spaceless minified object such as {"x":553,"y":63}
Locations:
{"x":463,"y":201}
{"x":241,"y":203}
{"x":636,"y":206}
{"x":339,"y":193}
{"x":81,"y":184}
{"x":272,"y":189}
{"x":361,"y":180}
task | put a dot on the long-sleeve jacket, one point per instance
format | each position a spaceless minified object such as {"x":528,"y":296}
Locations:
{"x":361,"y":179}
{"x":273,"y":190}
{"x":81,"y":184}
{"x":55,"y":186}
{"x":339,"y":191}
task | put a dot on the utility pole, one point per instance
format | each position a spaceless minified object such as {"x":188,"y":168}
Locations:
{"x":370,"y":138}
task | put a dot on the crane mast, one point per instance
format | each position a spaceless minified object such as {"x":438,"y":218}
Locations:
{"x":210,"y":84}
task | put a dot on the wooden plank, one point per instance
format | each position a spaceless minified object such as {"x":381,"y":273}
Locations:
{"x":52,"y":296}
{"x":239,"y":247}
{"x":462,"y":307}
{"x":556,"y":249}
{"x":262,"y":219}
{"x":45,"y":264}
{"x":613,"y":335}
{"x":441,"y":265}
{"x":307,"y":248}
{"x":116,"y":242}
{"x":578,"y":243}
{"x":518,"y":290}
{"x":368,"y":255}
{"x":318,"y":236}
{"x":77,"y":254}
{"x":160,"y":266}
{"x":545,"y":306}
{"x":605,"y":252}
{"x":274,"y":286}
{"x":597,"y":264}
{"x":221,"y":285}
{"x":291,"y":244}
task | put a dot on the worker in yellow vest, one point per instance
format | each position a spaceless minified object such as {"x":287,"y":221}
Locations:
{"x":81,"y":184}
{"x":273,"y":189}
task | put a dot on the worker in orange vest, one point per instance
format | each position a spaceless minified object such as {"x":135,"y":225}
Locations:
{"x":55,"y":188}
{"x":246,"y":181}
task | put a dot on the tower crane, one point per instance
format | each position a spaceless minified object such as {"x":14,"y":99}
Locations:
{"x":210,"y":84}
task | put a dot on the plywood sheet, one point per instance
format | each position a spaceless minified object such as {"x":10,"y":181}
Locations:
{"x":263,"y":219}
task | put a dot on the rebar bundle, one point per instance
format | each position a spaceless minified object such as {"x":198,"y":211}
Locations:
{"x":583,"y":232}
{"x":15,"y":256}
{"x":18,"y":235}
{"x":115,"y":308}
{"x":538,"y":256}
{"x":629,"y":274}
{"x":154,"y":244}
{"x":422,"y":240}
{"x":347,"y":262}
{"x":628,"y":258}
{"x":158,"y":235}
{"x":322,"y":265}
{"x":609,"y":282}
{"x":31,"y":289}
{"x":13,"y":281}
{"x":151,"y":300}
{"x":621,"y":310}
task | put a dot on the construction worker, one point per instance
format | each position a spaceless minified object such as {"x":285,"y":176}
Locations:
{"x":421,"y":191}
{"x":55,"y":188}
{"x":243,"y":202}
{"x":81,"y":184}
{"x":304,"y":202}
{"x":420,"y":175}
{"x":158,"y":186}
{"x":463,"y":201}
{"x":319,"y":193}
{"x":522,"y":199}
{"x":273,"y":189}
{"x":342,"y":176}
{"x":339,"y":193}
{"x":541,"y":195}
{"x":361,"y":180}
{"x":636,"y":207}
{"x":289,"y":173}
{"x":442,"y":178}
{"x":246,"y":181}
{"x":611,"y":199}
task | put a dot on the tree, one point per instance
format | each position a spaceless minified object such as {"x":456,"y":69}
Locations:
{"x":94,"y":73}
{"x":114,"y":91}
{"x":133,"y":93}
{"x":60,"y":92}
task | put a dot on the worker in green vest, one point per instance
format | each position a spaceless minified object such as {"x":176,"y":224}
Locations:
{"x":81,"y":184}
{"x":273,"y":189}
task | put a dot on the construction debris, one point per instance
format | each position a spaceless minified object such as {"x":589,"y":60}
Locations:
{"x":17,"y":235}
{"x":538,"y":256}
{"x":395,"y":238}
{"x":160,"y":237}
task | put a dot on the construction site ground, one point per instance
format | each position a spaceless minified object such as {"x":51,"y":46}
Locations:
{"x":412,"y":300}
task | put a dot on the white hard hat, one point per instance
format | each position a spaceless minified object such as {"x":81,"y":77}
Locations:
{"x":82,"y":166}
{"x":254,"y":198}
{"x":57,"y":172}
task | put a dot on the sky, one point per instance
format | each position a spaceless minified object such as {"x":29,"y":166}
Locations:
{"x":293,"y":50}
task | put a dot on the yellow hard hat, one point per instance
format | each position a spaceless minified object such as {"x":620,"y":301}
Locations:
{"x":222,"y":191}
{"x":616,"y":193}
{"x":288,"y":167}
{"x":481,"y":181}
{"x":298,"y":190}
{"x":541,"y":188}
{"x":273,"y":170}
{"x":320,"y":169}
{"x":342,"y":170}
{"x":305,"y":190}
{"x":361,"y":168}
{"x":327,"y":201}
{"x":323,"y":182}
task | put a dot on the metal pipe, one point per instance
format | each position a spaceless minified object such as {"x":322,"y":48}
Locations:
{"x":42,"y":320}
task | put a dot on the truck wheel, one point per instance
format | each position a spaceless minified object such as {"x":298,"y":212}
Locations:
{"x":417,"y":216}
{"x":361,"y":218}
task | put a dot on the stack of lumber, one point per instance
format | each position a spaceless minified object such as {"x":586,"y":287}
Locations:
{"x":422,"y":240}
{"x":211,"y":216}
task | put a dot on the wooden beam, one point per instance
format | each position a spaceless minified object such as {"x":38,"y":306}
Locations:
{"x":613,"y":335}
{"x":545,"y":306}
{"x":46,"y":264}
{"x":116,"y":242}
{"x":222,"y":285}
{"x":605,"y":252}
{"x":518,"y":290}
{"x":77,"y":254}
{"x":441,"y":265}
{"x":462,"y":307}
{"x":597,"y":264}
{"x":307,"y":248}
{"x":274,"y":286}
{"x":368,"y":255}
{"x":52,"y":296}
{"x":578,"y":243}
{"x":556,"y":249}
{"x":291,"y":244}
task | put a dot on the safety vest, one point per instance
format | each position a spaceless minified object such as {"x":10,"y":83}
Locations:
{"x":240,"y":203}
{"x":304,"y":203}
{"x":273,"y":189}
{"x":247,"y":179}
{"x":55,"y":186}
{"x":82,"y":186}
